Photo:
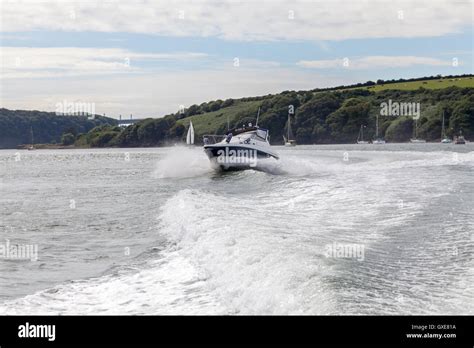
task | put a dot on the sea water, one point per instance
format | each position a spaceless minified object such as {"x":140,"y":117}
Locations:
{"x":335,"y":229}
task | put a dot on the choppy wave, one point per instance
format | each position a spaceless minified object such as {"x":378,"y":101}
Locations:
{"x":254,"y":242}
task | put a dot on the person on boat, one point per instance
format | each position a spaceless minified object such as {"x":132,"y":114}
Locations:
{"x":228,"y":137}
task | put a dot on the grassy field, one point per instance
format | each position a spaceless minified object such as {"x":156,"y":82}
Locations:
{"x":429,"y":84}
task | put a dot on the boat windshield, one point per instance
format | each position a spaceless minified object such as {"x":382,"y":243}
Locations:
{"x":252,"y":131}
{"x":262,"y":133}
{"x":237,"y":131}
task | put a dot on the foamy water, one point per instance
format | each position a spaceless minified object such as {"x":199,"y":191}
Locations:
{"x":161,"y":233}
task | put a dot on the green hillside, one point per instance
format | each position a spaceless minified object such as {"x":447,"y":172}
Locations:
{"x":434,"y":95}
{"x":323,"y":116}
{"x":217,"y":120}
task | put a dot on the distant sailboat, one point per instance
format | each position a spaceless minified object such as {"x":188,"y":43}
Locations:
{"x":377,"y":139}
{"x":31,"y":146}
{"x":289,"y":141}
{"x":360,"y":137}
{"x":415,"y":138}
{"x":459,"y":140}
{"x":190,"y":135}
{"x":444,"y":137}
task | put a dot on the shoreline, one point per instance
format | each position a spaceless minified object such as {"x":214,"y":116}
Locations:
{"x":73,"y":147}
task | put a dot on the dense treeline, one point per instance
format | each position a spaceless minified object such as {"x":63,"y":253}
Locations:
{"x":149,"y":132}
{"x":25,"y":127}
{"x":324,"y":117}
{"x":336,"y":117}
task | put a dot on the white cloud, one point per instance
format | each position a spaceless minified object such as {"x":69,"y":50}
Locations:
{"x":35,"y":62}
{"x":246,"y":19}
{"x":156,"y":94}
{"x":374,"y":62}
{"x":321,"y":64}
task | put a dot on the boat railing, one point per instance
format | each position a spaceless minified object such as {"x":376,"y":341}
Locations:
{"x":209,"y":139}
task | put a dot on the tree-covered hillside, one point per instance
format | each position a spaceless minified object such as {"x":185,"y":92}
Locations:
{"x":319,"y":118}
{"x":25,"y":127}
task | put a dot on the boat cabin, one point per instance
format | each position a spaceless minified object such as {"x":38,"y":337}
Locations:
{"x":253,"y":131}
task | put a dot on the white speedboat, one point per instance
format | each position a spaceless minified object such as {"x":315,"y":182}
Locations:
{"x":240,"y":148}
{"x":378,"y":141}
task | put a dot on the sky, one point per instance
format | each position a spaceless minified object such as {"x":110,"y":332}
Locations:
{"x":151,"y":57}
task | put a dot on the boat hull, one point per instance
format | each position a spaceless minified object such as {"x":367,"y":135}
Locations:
{"x":236,"y":157}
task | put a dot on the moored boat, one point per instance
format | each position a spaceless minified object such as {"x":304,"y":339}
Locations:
{"x":360,"y":137}
{"x":444,"y":137}
{"x":415,"y":138}
{"x":460,"y":140}
{"x":289,"y":140}
{"x":378,"y":140}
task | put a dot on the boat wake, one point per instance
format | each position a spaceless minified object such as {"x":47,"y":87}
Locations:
{"x":182,"y":162}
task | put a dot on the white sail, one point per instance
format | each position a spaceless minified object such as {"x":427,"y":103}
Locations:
{"x":190,"y":135}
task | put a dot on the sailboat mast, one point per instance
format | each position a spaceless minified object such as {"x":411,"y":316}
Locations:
{"x":377,"y":127}
{"x":442,"y":128}
{"x":289,"y":125}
